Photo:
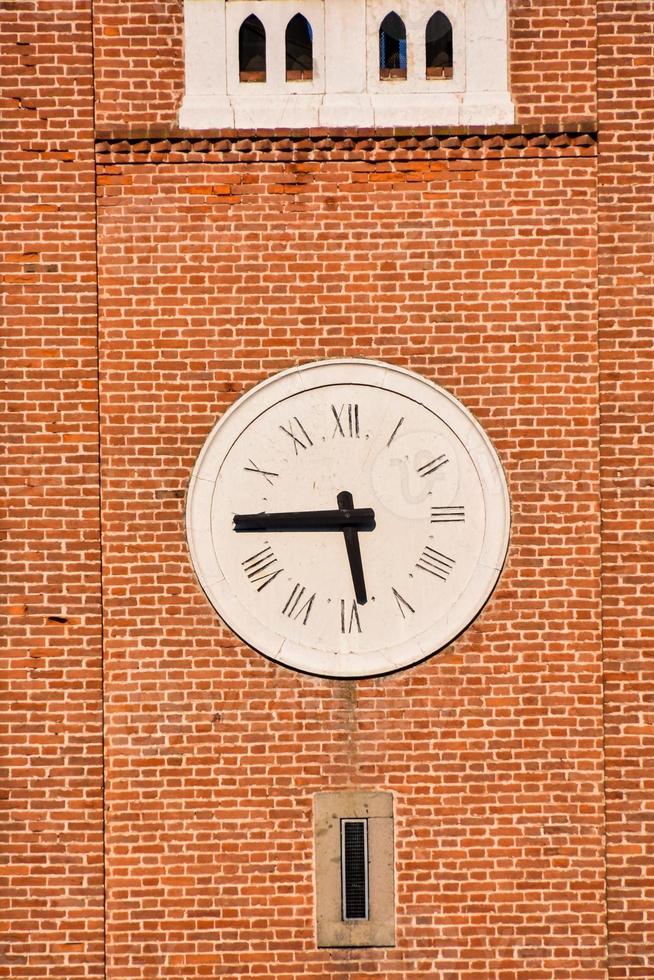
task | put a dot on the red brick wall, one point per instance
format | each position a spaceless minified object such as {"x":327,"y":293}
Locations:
{"x":140,"y":67}
{"x":553,"y":54}
{"x":139,"y":61}
{"x":626,"y":61}
{"x":51,"y":629}
{"x":470,"y":260}
{"x":481,"y":275}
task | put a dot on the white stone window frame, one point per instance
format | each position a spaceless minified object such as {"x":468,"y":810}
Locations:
{"x":275,"y":18}
{"x":346,"y":90}
{"x":415,"y":17}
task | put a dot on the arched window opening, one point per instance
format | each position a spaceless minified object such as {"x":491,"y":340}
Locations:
{"x":438,"y":43}
{"x":392,"y":47}
{"x":252,"y":50}
{"x":299,"y":49}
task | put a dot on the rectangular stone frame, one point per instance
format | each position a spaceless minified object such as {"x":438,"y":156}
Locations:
{"x":377,"y":809}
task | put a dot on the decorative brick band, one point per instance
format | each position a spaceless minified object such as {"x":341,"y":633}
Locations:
{"x":370,"y":148}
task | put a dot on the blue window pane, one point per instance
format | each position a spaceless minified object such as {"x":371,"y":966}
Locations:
{"x":392,"y":46}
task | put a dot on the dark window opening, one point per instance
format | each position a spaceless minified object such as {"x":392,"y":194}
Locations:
{"x":439,"y":49}
{"x":299,"y":49}
{"x":392,"y":47}
{"x":252,"y":50}
{"x":354,"y":868}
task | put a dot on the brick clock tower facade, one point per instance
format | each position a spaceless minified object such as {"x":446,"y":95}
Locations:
{"x":200,"y":196}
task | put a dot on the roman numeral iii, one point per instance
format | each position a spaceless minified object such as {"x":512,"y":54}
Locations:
{"x":436,"y":563}
{"x":447,"y":515}
{"x":295,"y":607}
{"x":347,"y":421}
{"x":261,"y":568}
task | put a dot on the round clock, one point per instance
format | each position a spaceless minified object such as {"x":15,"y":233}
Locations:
{"x":348,"y":518}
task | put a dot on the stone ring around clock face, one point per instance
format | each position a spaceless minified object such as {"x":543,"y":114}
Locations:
{"x":352,"y":436}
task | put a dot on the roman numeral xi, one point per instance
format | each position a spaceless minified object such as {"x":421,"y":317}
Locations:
{"x":298,"y":434}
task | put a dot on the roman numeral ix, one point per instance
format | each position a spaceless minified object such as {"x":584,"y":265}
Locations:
{"x":436,"y":563}
{"x":447,"y":515}
{"x":303,"y":440}
{"x":347,"y":422}
{"x":295,"y":607}
{"x":261,"y":568}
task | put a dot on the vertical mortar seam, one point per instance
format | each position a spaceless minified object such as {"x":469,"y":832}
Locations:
{"x":99,"y":498}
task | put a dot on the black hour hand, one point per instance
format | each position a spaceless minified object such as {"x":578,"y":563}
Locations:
{"x":348,"y":518}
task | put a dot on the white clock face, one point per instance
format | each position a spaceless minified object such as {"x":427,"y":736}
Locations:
{"x":348,"y":518}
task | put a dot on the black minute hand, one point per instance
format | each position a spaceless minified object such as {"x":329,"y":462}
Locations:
{"x":358,"y":518}
{"x":351,"y":536}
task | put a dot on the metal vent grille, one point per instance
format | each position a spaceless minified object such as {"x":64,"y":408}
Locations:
{"x":354,"y":868}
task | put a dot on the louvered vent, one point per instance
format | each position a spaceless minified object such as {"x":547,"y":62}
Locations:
{"x":354,"y":868}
